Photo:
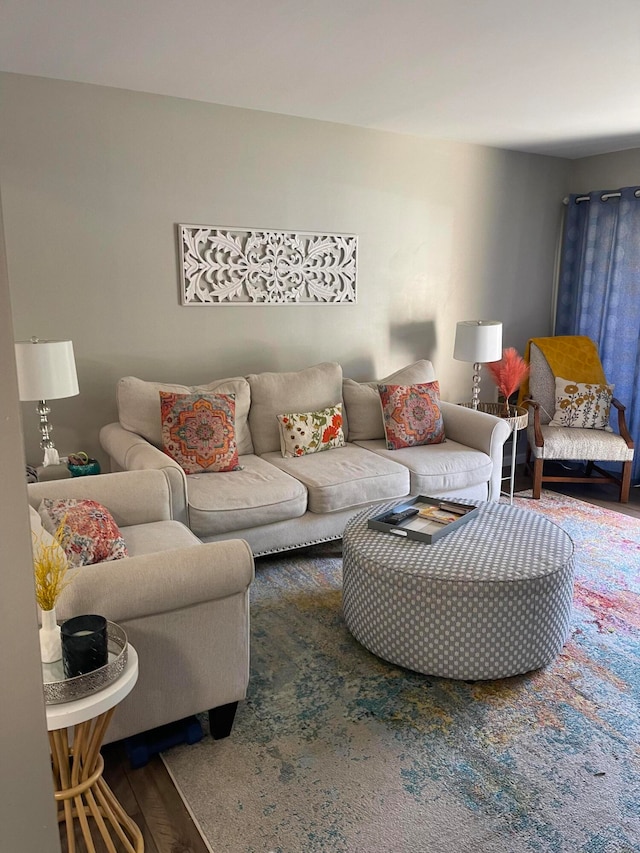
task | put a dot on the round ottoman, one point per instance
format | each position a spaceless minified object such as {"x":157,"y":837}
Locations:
{"x":490,"y":600}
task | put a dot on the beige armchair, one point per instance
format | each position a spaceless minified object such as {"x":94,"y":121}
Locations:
{"x":183,"y":604}
{"x":547,"y":441}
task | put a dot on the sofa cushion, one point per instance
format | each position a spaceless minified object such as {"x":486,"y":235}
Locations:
{"x":157,"y":536}
{"x":138,"y":404}
{"x":437,"y":469}
{"x":345,"y":477}
{"x":308,"y":390}
{"x":198,"y":431}
{"x":258,"y":494}
{"x":411,"y":415}
{"x":310,"y":432}
{"x":363,"y":413}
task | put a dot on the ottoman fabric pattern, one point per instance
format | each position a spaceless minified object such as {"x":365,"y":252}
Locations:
{"x":490,"y":600}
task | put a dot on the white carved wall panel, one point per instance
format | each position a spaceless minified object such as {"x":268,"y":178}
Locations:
{"x":237,"y":266}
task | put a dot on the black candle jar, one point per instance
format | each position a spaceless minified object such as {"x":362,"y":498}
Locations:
{"x":84,"y":644}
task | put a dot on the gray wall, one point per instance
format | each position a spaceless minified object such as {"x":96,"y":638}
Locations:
{"x":27,"y":812}
{"x":606,"y":171}
{"x":95,"y":179}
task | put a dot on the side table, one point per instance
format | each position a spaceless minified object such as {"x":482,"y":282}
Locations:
{"x":76,"y":731}
{"x":518,"y":420}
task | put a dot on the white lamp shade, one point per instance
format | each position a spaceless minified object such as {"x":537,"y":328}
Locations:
{"x":478,"y":341}
{"x":46,"y":370}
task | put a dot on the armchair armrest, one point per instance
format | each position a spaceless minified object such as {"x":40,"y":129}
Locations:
{"x":163,"y":582}
{"x":130,"y":452}
{"x":482,"y":432}
{"x":132,"y":497}
{"x":622,"y":422}
{"x":537,"y":432}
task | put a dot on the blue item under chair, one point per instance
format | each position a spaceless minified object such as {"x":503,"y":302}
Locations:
{"x":140,"y":748}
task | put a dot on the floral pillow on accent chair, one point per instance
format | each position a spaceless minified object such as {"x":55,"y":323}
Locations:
{"x":198,"y":431}
{"x":310,"y":432}
{"x":582,"y":405}
{"x":90,"y":533}
{"x":411,"y":414}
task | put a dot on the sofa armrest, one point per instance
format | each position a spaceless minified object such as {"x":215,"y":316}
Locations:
{"x":167,"y":581}
{"x":132,"y":497}
{"x":130,"y":452}
{"x":482,"y":432}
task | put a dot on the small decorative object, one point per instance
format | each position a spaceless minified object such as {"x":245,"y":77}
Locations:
{"x":238,"y":266}
{"x":508,"y":374}
{"x":478,"y":341}
{"x":46,"y":371}
{"x":50,"y":565}
{"x":81,"y":465}
{"x":84,"y":644}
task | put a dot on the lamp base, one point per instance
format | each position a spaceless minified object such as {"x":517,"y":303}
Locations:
{"x":51,"y":455}
{"x":475,"y":388}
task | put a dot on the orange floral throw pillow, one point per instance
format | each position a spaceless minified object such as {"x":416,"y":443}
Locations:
{"x":90,"y":533}
{"x":198,"y":431}
{"x":310,"y":432}
{"x":411,"y":414}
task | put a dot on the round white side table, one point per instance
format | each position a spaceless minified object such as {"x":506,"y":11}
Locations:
{"x":76,"y":731}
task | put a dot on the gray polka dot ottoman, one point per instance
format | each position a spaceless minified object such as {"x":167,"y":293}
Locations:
{"x":490,"y":600}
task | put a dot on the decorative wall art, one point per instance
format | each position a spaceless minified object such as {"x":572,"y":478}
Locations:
{"x":237,"y":266}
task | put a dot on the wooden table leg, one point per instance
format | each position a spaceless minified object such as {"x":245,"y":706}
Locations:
{"x":83,"y":794}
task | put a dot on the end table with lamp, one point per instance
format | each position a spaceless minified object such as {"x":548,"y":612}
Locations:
{"x":77,"y":727}
{"x":517,"y":420}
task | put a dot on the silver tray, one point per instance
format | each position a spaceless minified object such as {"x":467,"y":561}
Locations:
{"x":58,"y":689}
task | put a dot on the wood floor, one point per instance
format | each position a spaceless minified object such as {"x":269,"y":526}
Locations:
{"x":148,"y":794}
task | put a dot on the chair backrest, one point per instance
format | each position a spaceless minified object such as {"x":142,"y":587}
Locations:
{"x":573,"y":358}
{"x":542,"y":384}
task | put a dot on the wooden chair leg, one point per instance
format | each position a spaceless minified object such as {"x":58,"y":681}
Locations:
{"x":537,"y":478}
{"x":625,"y":483}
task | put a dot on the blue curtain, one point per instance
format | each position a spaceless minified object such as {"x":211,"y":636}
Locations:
{"x":599,"y":290}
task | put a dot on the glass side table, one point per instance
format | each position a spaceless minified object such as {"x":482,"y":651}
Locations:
{"x":76,"y":731}
{"x":518,"y":421}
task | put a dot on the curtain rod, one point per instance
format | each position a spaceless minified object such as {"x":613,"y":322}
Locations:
{"x":603,"y":197}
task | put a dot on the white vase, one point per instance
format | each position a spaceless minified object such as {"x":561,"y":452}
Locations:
{"x":50,"y":645}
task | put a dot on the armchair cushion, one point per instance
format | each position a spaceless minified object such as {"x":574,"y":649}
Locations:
{"x":579,"y":444}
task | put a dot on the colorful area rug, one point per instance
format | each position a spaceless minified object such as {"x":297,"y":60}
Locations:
{"x":336,"y":750}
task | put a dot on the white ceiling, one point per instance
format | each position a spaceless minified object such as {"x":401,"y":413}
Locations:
{"x":548,"y":76}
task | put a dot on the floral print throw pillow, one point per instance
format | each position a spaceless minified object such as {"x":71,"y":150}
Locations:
{"x":90,"y":533}
{"x":310,"y":432}
{"x":411,"y":414}
{"x":198,"y":431}
{"x":582,"y":405}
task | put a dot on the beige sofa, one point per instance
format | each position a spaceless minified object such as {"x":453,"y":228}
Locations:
{"x":183,"y":605}
{"x":278,"y":503}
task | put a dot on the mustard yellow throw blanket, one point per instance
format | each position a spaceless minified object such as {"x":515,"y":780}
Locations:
{"x":573,"y":357}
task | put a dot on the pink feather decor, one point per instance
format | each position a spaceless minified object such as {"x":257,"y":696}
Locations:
{"x":509,"y":373}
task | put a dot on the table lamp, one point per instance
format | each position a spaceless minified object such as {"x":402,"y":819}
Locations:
{"x":478,"y":341}
{"x":46,"y":371}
